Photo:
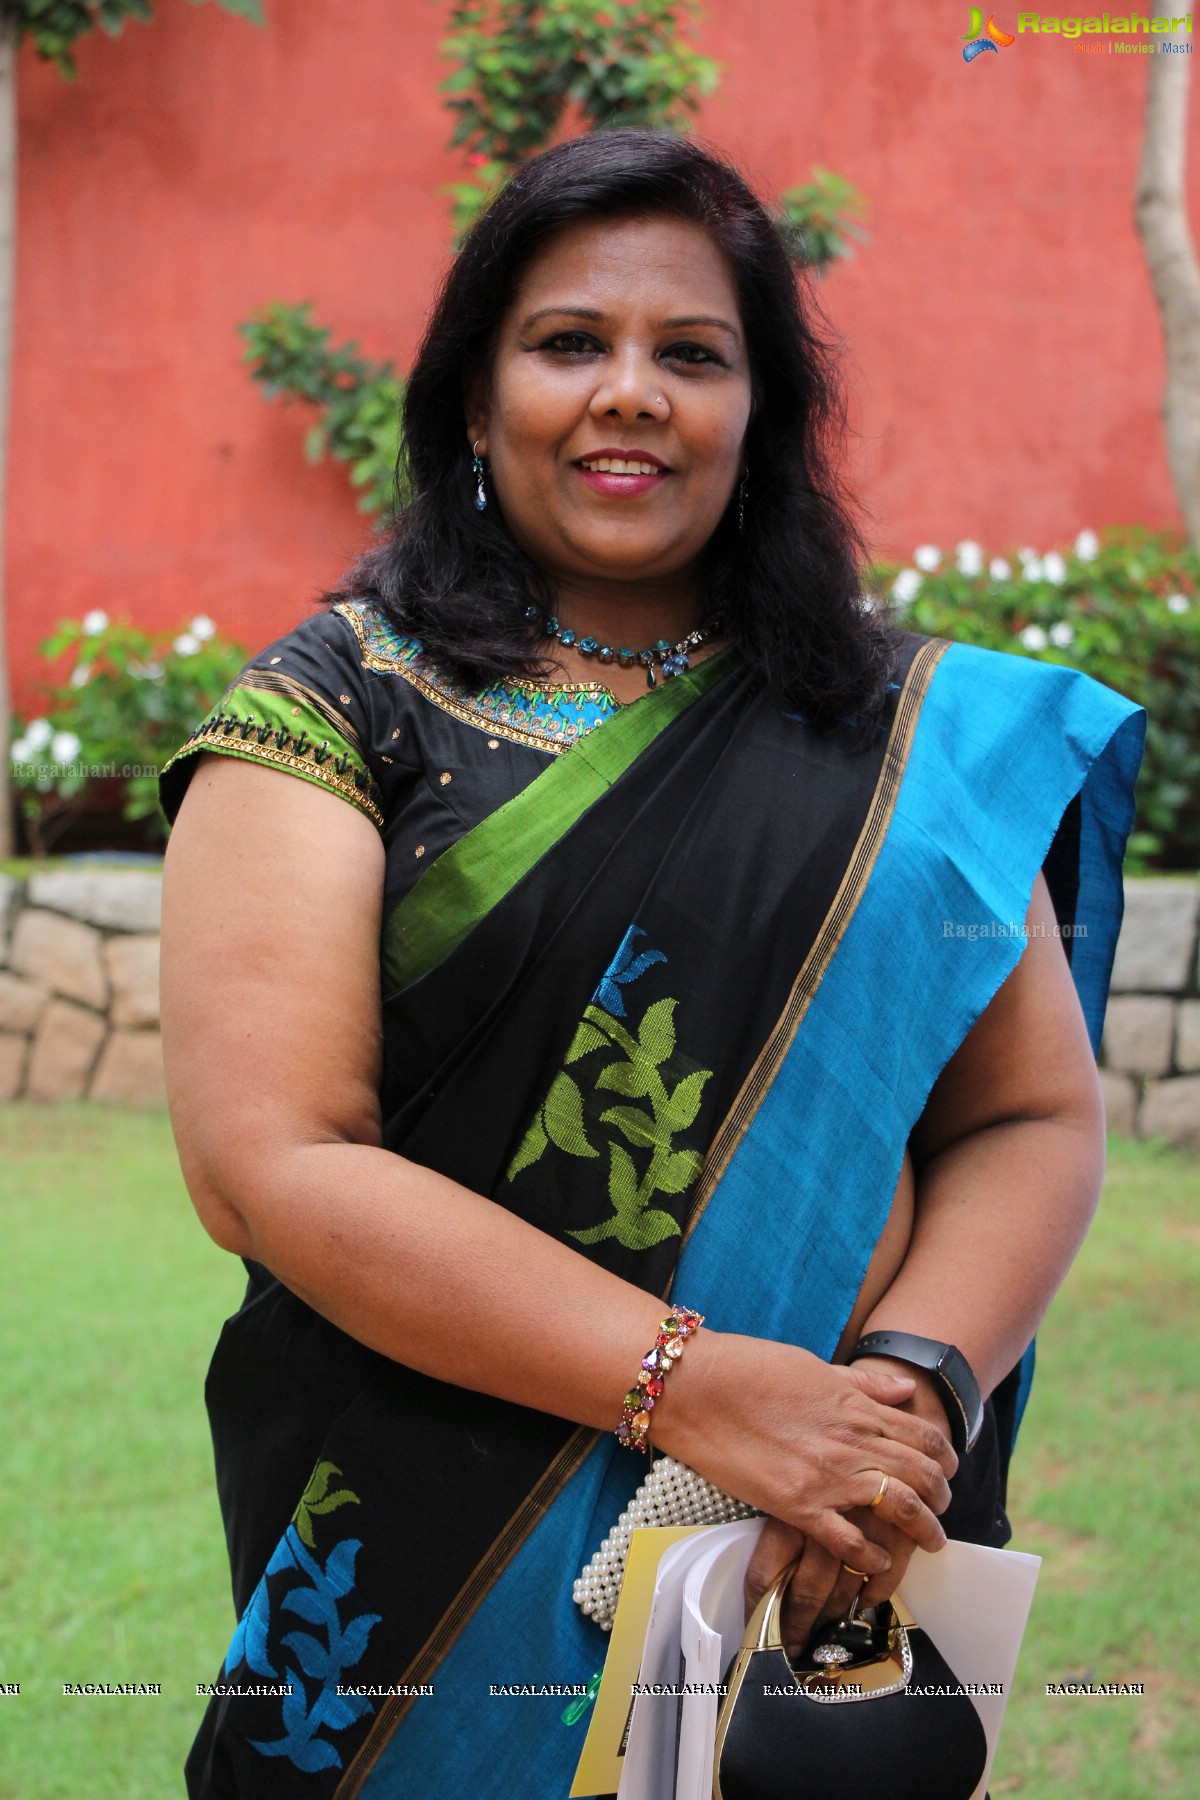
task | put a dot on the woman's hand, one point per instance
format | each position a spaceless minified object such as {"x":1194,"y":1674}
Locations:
{"x":809,"y":1442}
{"x":822,"y":1588}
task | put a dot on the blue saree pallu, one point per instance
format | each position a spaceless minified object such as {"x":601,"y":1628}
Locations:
{"x":679,"y":1003}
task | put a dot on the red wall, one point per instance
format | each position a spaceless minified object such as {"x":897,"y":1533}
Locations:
{"x":1002,"y":339}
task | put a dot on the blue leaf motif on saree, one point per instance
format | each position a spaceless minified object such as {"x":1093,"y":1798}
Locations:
{"x":320,"y":1656}
{"x":624,"y":968}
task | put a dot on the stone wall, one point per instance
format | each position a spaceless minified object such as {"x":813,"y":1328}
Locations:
{"x":79,"y":986}
{"x":79,"y":997}
{"x":1151,"y":1052}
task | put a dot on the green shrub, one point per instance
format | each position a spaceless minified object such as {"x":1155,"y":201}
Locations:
{"x":124,"y":702}
{"x":1125,"y":610}
{"x":359,"y":401}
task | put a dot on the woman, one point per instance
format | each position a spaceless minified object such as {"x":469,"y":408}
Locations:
{"x":646,"y":920}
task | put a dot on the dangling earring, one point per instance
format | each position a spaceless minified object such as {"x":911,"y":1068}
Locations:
{"x":477,"y":471}
{"x":743,"y":489}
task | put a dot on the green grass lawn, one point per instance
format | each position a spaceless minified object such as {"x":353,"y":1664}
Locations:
{"x":113,"y":1567}
{"x":113,"y":1561}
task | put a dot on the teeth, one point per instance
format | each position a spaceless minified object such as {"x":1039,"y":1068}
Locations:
{"x":613,"y":465}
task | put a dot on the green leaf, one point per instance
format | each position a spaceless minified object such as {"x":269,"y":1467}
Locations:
{"x":245,"y":9}
{"x":531,"y":1147}
{"x":633,"y":1225}
{"x":641,"y":1130}
{"x":631,"y":1079}
{"x":595,"y":1234}
{"x":681,"y":1109}
{"x":331,"y":1502}
{"x":563,"y":1117}
{"x":318,"y":1483}
{"x":656,"y":1033}
{"x":646,"y":1229}
{"x":586,"y":1038}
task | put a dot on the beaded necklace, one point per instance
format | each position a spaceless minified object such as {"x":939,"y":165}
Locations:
{"x":671,"y":659}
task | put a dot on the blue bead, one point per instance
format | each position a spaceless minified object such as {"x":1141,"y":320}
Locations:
{"x":551,"y":627}
{"x":566,"y":637}
{"x":588,"y":646}
{"x":606,"y":654}
{"x":662,"y":645}
{"x":675,"y":665}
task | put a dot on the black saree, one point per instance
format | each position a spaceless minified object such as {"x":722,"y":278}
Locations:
{"x":587,"y":1000}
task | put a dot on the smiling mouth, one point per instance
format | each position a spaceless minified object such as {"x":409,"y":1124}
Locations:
{"x":615,"y":465}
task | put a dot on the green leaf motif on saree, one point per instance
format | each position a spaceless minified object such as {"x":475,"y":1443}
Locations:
{"x":636,"y":1075}
{"x":317,"y":1500}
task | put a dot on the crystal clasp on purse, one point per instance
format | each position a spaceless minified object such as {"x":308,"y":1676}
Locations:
{"x":850,"y":1659}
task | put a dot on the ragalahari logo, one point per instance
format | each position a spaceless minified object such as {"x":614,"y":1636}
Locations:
{"x":985,"y":37}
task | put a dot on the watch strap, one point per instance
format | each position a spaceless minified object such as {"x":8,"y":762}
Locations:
{"x":949,"y":1368}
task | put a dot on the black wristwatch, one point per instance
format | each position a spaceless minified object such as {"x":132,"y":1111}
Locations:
{"x":949,"y":1368}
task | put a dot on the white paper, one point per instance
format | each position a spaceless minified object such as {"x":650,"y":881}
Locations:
{"x":648,"y":1766}
{"x":974,"y":1603}
{"x":712,"y":1625}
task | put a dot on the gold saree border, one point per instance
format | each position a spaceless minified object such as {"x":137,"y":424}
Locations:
{"x":466,"y":1602}
{"x":753,"y":1091}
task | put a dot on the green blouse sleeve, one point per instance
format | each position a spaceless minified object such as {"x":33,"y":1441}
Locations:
{"x":301,"y":706}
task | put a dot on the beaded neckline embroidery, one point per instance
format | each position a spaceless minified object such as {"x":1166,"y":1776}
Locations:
{"x":550,"y":717}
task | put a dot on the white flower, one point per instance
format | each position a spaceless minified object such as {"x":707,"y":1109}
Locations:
{"x":94,"y":622}
{"x":1062,"y":634}
{"x":998,"y":569}
{"x":1034,"y":638}
{"x":1054,"y":568}
{"x":906,"y":587}
{"x":185,"y":644}
{"x":64,"y":747}
{"x":38,"y":733}
{"x":20,"y":751}
{"x":1032,"y":570}
{"x":1087,"y":546}
{"x":1026,"y":556}
{"x":202,"y":626}
{"x":969,"y":557}
{"x":927,"y":557}
{"x":144,"y":671}
{"x":1178,"y":603}
{"x":79,"y":676}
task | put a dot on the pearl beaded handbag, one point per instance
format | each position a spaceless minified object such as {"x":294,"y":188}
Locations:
{"x":671,"y":1494}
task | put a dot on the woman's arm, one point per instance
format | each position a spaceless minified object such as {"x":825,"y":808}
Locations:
{"x":271,"y":1030}
{"x":1009,"y":1155}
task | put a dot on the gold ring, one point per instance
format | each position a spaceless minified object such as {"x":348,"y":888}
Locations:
{"x":883,"y":1488}
{"x":861,"y":1573}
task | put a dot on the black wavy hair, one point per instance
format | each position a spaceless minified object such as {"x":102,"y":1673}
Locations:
{"x":788,"y":587}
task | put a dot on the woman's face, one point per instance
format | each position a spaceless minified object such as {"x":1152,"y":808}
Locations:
{"x":624,"y":343}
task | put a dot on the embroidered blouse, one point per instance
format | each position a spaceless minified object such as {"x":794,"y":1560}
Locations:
{"x":347,"y":701}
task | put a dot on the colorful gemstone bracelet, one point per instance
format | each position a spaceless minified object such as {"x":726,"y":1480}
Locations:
{"x":634,"y":1427}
